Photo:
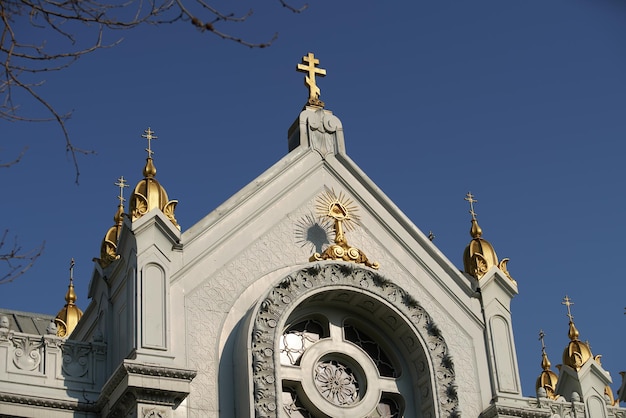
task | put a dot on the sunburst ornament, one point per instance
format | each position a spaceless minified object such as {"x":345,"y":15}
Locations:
{"x":343,"y":211}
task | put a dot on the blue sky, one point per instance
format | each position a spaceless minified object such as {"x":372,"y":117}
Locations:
{"x":522,"y":103}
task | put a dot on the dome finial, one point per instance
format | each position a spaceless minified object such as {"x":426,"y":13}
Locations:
{"x":577,"y":353}
{"x":70,"y":296}
{"x":68,"y":317}
{"x":308,"y":66}
{"x":148,"y":193}
{"x":149,"y":170}
{"x":475,"y":231}
{"x":573,"y":332}
{"x":547,"y":379}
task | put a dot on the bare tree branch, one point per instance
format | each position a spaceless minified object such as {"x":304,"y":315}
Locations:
{"x":16,"y":160}
{"x":16,"y":262}
{"x":56,"y":23}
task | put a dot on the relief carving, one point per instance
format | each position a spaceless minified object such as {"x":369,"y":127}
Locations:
{"x":27,"y":355}
{"x":153,"y":413}
{"x":322,"y":132}
{"x":75,"y":360}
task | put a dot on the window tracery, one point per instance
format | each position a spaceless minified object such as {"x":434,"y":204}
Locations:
{"x":376,"y":351}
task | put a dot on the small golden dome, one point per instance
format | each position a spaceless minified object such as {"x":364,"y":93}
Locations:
{"x":108,"y":248}
{"x":68,"y":317}
{"x":148,"y":193}
{"x":547,"y":379}
{"x":577,"y":353}
{"x":479,"y":255}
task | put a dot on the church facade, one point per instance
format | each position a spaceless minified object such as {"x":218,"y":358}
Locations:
{"x":306,"y":294}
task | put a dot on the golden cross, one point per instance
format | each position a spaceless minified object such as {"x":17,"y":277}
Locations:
{"x":149,"y":135}
{"x":568,"y":302}
{"x":121,"y":183}
{"x":470,"y":198}
{"x":72,"y":263}
{"x":309,"y":80}
{"x":543,"y":345}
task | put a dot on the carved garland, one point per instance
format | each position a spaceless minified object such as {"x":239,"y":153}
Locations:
{"x":279,"y":299}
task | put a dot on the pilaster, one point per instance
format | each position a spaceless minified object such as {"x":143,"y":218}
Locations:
{"x":497,"y":290}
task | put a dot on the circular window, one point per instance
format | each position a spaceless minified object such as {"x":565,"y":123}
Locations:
{"x":336,"y":382}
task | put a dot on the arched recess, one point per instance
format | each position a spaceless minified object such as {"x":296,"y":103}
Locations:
{"x":344,"y":310}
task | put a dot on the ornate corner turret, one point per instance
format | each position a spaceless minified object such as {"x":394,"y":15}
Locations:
{"x":148,"y":193}
{"x":108,"y":248}
{"x":342,"y":211}
{"x":68,"y":317}
{"x":547,"y":379}
{"x":577,"y":352}
{"x":309,"y":66}
{"x":479,"y":255}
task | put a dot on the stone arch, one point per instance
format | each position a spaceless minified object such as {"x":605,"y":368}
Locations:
{"x":270,"y":314}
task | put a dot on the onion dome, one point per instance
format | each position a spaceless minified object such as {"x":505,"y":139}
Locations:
{"x":68,"y":317}
{"x":148,"y":193}
{"x":108,"y":248}
{"x":577,"y":353}
{"x":547,"y":379}
{"x":480,"y":256}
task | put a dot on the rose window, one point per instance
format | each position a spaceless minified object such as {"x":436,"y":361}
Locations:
{"x":336,"y":383}
{"x":335,"y":366}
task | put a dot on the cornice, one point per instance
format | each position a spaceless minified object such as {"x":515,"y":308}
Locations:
{"x":70,"y":405}
{"x":129,"y":367}
{"x":512,"y":411}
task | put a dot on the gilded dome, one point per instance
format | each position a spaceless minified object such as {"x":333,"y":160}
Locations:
{"x":479,"y":255}
{"x":68,"y":317}
{"x":547,"y":379}
{"x":577,"y":353}
{"x":148,"y":193}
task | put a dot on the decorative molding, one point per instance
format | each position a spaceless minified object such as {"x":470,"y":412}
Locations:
{"x":130,"y":395}
{"x":514,"y":411}
{"x":543,"y":408}
{"x":47,"y":402}
{"x":281,"y":299}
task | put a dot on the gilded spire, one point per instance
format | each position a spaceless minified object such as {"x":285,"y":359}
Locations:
{"x":68,"y":317}
{"x":308,"y":66}
{"x":343,"y":212}
{"x":480,"y":256}
{"x":149,"y":194}
{"x":547,"y":379}
{"x":577,"y":353}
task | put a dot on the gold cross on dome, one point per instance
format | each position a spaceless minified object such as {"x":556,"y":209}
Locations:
{"x":470,"y":198}
{"x":149,"y":135}
{"x":72,"y":263}
{"x":543,"y":345}
{"x":121,"y":183}
{"x":568,"y":302}
{"x":308,"y":66}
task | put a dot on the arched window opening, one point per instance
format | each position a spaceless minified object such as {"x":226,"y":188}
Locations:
{"x":339,"y":341}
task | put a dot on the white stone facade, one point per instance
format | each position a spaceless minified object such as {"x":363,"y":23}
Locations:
{"x":230,"y":318}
